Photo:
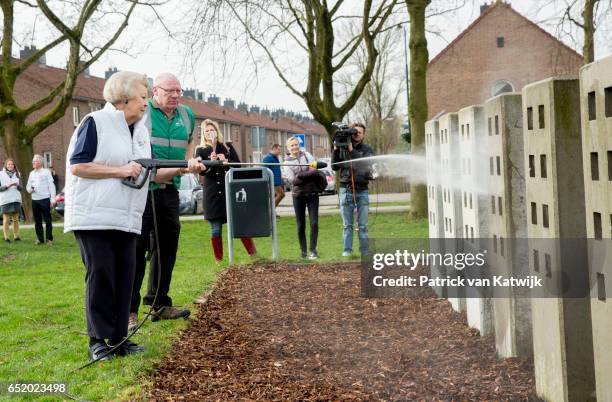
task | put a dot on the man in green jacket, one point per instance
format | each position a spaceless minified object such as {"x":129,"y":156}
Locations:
{"x":171,"y":127}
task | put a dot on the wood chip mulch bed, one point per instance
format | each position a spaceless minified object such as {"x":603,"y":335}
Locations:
{"x":304,"y":333}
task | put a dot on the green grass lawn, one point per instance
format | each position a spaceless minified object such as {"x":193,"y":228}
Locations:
{"x":42,"y":314}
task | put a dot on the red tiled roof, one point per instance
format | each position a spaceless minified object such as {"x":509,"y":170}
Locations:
{"x":482,"y":16}
{"x":89,"y":87}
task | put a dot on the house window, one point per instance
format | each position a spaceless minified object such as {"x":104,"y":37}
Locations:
{"x":608,"y":101}
{"x":227,"y":132}
{"x":545,"y":215}
{"x":541,"y":116}
{"x":501,"y":245}
{"x":94,"y":106}
{"x":500,"y":87}
{"x":498,"y":160}
{"x":489,"y":126}
{"x":592,"y":106}
{"x":500,"y":205}
{"x":493,"y":204}
{"x":530,"y":118}
{"x":532,"y":166}
{"x":47,"y":159}
{"x":534,"y":213}
{"x":75,"y":116}
{"x":500,"y":41}
{"x":536,"y":260}
{"x":496,"y":125}
{"x":491,"y":169}
{"x":543,"y":166}
{"x":601,"y":287}
{"x":256,"y":156}
{"x":594,"y":166}
{"x":548,"y":265}
{"x":597,"y":225}
{"x":610,"y":165}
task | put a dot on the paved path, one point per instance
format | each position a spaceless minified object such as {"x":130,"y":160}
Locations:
{"x":328,"y":205}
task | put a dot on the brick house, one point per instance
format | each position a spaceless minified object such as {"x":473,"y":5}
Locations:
{"x":251,"y":133}
{"x":501,"y":51}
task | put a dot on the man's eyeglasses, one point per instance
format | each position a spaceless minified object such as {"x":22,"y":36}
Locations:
{"x":179,"y":92}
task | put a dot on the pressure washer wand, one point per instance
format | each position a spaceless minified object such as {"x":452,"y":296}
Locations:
{"x":150,"y":167}
{"x":314,"y":165}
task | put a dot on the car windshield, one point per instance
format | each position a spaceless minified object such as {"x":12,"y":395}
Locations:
{"x":187,"y":182}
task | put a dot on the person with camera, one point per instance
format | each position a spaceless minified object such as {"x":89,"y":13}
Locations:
{"x":354,"y":179}
{"x":307,"y":182}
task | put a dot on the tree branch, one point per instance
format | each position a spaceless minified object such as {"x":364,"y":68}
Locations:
{"x":37,"y":54}
{"x":68,"y":84}
{"x":55,"y":20}
{"x":265,"y":49}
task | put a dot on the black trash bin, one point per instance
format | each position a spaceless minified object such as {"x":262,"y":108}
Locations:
{"x":249,"y":195}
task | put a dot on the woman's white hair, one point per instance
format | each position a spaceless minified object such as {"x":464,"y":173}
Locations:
{"x":121,"y":86}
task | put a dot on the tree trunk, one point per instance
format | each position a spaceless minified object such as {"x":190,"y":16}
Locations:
{"x":417,"y":110}
{"x":588,"y":48}
{"x":22,"y":154}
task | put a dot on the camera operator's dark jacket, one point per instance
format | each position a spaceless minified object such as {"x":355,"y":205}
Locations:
{"x":360,"y":170}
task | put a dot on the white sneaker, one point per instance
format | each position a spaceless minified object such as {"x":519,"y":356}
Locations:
{"x":347,"y":253}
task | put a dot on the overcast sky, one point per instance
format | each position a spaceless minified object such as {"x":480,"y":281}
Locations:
{"x":152,"y":52}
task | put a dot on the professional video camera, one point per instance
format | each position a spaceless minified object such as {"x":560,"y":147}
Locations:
{"x":342,"y":135}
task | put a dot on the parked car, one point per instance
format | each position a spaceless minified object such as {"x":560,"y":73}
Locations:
{"x":191,"y":195}
{"x":59,"y":203}
{"x":286,"y":184}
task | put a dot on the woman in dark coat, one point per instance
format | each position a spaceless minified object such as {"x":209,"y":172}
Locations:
{"x":212,"y":147}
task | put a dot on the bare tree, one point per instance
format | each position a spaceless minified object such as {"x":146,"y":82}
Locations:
{"x":20,"y":124}
{"x":579,"y":22}
{"x":297,"y":35}
{"x":377,"y":107}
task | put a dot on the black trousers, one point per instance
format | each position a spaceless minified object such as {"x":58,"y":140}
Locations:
{"x":109,"y":257}
{"x":300,"y":204}
{"x":41,"y":209}
{"x":169,"y":229}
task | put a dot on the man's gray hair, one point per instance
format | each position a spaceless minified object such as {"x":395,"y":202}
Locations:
{"x":37,"y":157}
{"x":122,"y":85}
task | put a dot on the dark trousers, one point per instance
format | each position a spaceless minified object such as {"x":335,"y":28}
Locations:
{"x":300,"y":204}
{"x":41,"y":209}
{"x":109,"y":257}
{"x":160,"y":270}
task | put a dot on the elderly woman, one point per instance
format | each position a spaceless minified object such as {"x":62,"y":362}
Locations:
{"x":40,"y":185}
{"x":10,"y":199}
{"x":307,"y":183}
{"x":212,"y":147}
{"x":106,"y":215}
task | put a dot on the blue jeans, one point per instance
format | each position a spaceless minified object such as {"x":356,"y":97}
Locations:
{"x":215,"y":227}
{"x":347,"y":205}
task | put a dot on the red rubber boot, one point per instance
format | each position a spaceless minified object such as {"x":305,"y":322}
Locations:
{"x":217,"y":244}
{"x":249,"y":246}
